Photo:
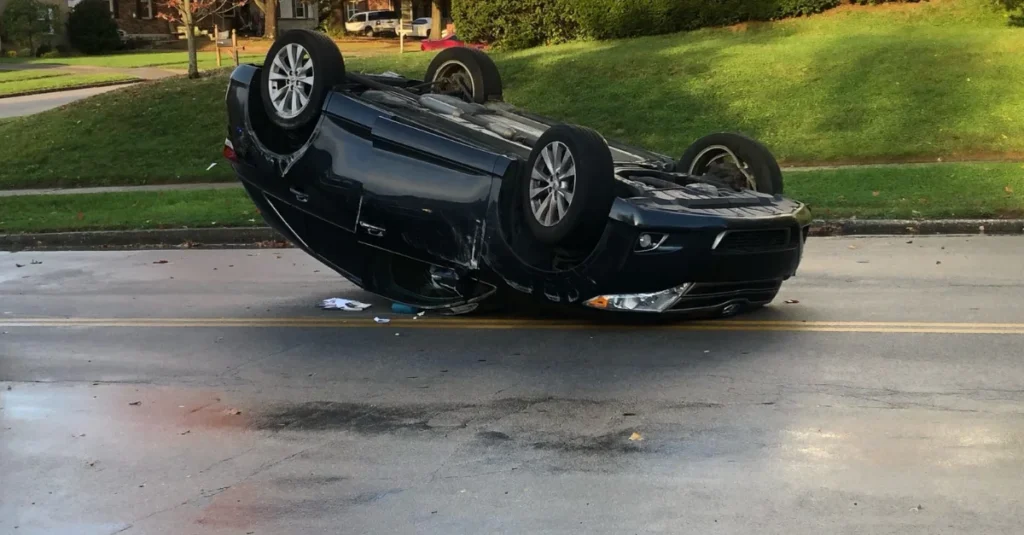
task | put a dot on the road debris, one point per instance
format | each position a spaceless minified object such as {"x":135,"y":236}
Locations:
{"x":401,"y":308}
{"x":792,"y":302}
{"x":381,"y":320}
{"x":161,"y":262}
{"x":232,"y":412}
{"x":636,"y":437}
{"x":35,"y":262}
{"x":135,"y":403}
{"x":212,"y":165}
{"x":337,"y":303}
{"x":19,"y":265}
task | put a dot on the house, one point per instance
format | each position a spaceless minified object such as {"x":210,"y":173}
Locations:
{"x":140,"y":18}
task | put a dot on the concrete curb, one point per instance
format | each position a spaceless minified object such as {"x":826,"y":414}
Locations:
{"x":225,"y":238}
{"x":857,"y":227}
{"x":216,"y":238}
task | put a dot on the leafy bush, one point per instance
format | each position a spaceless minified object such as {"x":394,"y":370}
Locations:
{"x":525,"y":23}
{"x":1014,"y":11}
{"x":90,"y":28}
{"x":51,"y":54}
{"x":11,"y":53}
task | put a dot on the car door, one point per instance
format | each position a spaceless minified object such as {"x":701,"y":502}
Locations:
{"x":427,"y":196}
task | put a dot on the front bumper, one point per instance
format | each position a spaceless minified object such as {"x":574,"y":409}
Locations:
{"x":724,"y":298}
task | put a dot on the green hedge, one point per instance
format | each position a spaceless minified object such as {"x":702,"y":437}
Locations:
{"x":526,"y":23}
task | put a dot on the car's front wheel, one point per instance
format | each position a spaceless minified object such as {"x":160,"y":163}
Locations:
{"x":738,"y":160}
{"x":569,"y":186}
{"x":299,"y":72}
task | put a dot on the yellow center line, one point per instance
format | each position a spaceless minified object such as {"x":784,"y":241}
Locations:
{"x":521,"y":323}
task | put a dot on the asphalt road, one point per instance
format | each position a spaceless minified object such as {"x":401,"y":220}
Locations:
{"x":208,"y":394}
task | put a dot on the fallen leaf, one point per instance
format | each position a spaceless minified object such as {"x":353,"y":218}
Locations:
{"x":851,"y":247}
{"x":160,"y":262}
{"x":232,"y":412}
{"x":35,"y":262}
{"x":19,"y":265}
{"x":79,"y":216}
{"x":875,"y":193}
{"x":135,"y":403}
{"x":636,"y":437}
{"x":792,"y":302}
{"x":937,"y":262}
{"x":1008,"y":189}
{"x":187,"y":431}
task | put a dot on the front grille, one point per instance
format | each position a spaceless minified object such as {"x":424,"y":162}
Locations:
{"x":714,"y":295}
{"x":755,"y":241}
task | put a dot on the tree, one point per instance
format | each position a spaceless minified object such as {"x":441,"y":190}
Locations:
{"x":435,"y":19}
{"x":91,"y":30}
{"x":189,"y":13}
{"x":269,"y":9}
{"x":24,"y":20}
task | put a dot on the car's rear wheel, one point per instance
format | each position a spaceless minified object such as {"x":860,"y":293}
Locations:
{"x":569,"y":186}
{"x":300,"y":70}
{"x":738,"y":160}
{"x":465,"y":72}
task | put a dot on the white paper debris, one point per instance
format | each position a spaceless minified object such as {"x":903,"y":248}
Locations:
{"x":343,"y":304}
{"x":211,"y":166}
{"x":381,"y":320}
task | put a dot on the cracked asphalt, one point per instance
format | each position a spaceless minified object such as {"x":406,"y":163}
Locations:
{"x":207,"y":394}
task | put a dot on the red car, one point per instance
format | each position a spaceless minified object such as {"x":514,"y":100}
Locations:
{"x":446,"y":42}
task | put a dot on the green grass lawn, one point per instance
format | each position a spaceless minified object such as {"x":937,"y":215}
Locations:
{"x":170,"y":60}
{"x":900,"y":192}
{"x":902,"y":82}
{"x":17,"y":82}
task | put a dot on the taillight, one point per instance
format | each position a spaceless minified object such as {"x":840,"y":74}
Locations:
{"x":229,"y":151}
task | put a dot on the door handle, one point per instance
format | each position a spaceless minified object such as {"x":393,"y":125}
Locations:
{"x":374,"y":231}
{"x":299,"y":195}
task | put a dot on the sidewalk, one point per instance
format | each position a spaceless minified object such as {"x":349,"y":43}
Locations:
{"x":142,"y":73}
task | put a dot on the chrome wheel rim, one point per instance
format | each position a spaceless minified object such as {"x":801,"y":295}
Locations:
{"x":552,"y":184}
{"x":452,"y":77}
{"x":723,"y":159}
{"x":291,"y":80}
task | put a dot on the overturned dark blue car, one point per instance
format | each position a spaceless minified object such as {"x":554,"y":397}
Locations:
{"x":435,"y":193}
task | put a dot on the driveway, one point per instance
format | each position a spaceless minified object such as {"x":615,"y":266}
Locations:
{"x":202,"y":392}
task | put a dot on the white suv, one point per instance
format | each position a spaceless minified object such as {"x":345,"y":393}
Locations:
{"x":370,"y":23}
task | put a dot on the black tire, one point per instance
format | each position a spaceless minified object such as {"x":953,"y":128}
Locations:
{"x":760,"y":163}
{"x":592,"y":193}
{"x":484,"y":80}
{"x":328,"y":71}
{"x":368,"y":31}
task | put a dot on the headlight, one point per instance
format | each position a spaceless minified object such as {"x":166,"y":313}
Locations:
{"x":647,"y":302}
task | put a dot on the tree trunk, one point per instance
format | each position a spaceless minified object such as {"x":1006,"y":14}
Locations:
{"x":270,"y":19}
{"x":193,"y":64}
{"x":435,"y":19}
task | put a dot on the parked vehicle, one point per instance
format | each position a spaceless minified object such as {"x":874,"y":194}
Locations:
{"x":421,"y":27}
{"x":371,"y":23}
{"x":437,"y":194}
{"x":446,"y":42}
